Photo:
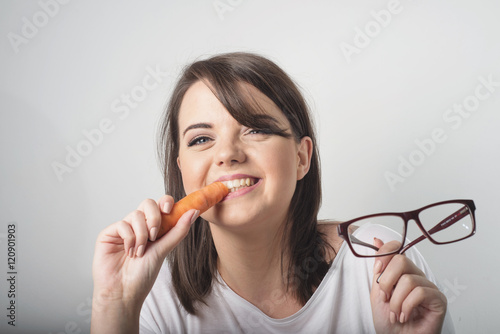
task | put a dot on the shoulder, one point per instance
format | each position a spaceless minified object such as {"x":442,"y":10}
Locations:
{"x":329,"y":229}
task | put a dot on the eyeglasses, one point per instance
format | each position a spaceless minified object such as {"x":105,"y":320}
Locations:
{"x":442,"y":223}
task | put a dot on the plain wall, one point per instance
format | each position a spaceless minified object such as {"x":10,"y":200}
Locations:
{"x":385,"y":81}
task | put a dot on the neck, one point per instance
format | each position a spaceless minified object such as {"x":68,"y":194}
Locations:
{"x":251,"y":266}
{"x":247,"y":255}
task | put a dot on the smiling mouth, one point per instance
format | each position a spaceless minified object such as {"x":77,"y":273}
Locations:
{"x":237,"y":184}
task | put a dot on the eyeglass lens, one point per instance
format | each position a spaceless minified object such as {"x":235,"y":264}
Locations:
{"x":447,"y":222}
{"x":444,"y":223}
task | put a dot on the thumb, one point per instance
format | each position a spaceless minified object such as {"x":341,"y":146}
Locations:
{"x":172,"y":238}
{"x":377,"y":243}
{"x":382,"y":261}
{"x":378,"y":264}
{"x":377,"y":294}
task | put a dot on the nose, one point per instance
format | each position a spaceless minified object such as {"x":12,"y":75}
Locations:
{"x":229,"y":153}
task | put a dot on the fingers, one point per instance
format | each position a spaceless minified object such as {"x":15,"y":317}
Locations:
{"x":394,"y":270}
{"x":397,"y":281}
{"x":126,"y":233}
{"x":152,"y":213}
{"x":429,"y":297}
{"x":385,"y":248}
{"x":166,"y":203}
{"x":137,"y":221}
{"x":378,"y":243}
{"x":405,"y":287}
{"x":388,"y":277}
{"x":410,"y":292}
{"x":143,"y":224}
{"x":382,"y":262}
{"x":168,"y":241}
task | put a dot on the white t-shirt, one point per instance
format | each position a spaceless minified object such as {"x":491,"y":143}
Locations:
{"x":340,"y":304}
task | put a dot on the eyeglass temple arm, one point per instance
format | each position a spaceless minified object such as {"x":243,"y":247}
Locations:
{"x":447,"y":222}
{"x":344,"y":234}
{"x":355,"y":240}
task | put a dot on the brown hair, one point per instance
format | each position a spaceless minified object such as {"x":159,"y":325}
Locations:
{"x":194,"y":261}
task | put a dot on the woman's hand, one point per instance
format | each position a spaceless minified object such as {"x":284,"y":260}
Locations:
{"x":126,"y":264}
{"x":404,"y":300}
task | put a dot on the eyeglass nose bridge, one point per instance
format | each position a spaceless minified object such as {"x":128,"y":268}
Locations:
{"x":412,"y":216}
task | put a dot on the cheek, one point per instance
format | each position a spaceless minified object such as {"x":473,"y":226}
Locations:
{"x":283,"y":164}
{"x":193,"y":173}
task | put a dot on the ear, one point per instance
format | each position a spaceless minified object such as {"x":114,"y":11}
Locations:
{"x":304,"y":155}
{"x":179,"y":163}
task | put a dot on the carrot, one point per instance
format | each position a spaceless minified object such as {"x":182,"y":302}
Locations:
{"x":202,"y":200}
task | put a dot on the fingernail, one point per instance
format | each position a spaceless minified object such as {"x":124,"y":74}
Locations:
{"x":392,"y":317}
{"x":402,"y":318}
{"x":377,"y":267}
{"x":131,"y":252}
{"x":167,"y":207}
{"x":153,"y":233}
{"x":140,"y":250}
{"x":194,"y":216}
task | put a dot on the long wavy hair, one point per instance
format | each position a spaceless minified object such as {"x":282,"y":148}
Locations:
{"x":193,"y":262}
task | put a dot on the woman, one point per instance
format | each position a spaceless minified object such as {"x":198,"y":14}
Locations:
{"x":258,"y":261}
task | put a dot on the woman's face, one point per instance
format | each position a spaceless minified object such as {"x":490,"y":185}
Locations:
{"x":261,"y":167}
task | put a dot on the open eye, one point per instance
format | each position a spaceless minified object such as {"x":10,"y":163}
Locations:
{"x":198,"y":141}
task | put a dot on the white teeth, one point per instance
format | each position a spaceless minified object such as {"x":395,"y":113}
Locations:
{"x":234,"y":185}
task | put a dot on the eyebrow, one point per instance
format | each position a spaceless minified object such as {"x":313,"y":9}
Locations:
{"x":197,"y":126}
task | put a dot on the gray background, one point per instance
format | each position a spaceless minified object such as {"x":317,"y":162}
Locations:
{"x":70,"y":73}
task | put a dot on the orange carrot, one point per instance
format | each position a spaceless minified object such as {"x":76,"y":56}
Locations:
{"x":202,"y":200}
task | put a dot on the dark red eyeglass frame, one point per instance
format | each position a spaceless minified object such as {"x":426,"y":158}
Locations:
{"x":469,"y":208}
